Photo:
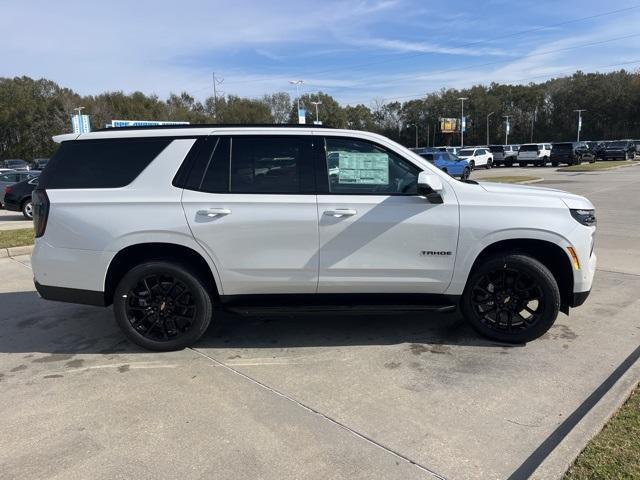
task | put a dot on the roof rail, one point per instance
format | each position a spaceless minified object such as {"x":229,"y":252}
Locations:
{"x":212,"y":125}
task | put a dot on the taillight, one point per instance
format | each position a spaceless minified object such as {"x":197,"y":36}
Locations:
{"x":7,"y":190}
{"x":40,"y":202}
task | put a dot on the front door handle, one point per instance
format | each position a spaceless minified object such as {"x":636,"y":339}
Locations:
{"x":341,"y":212}
{"x":213,"y":212}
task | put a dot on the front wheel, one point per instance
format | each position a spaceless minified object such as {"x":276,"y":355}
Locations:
{"x":27,"y":209}
{"x":162,"y":306}
{"x":511,"y":298}
{"x":465,"y":174}
{"x":472,"y":164}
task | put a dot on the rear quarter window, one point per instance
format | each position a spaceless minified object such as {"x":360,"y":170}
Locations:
{"x":109,"y":163}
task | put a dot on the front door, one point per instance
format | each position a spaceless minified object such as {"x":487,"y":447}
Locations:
{"x":376,"y":234}
{"x":251,"y":205}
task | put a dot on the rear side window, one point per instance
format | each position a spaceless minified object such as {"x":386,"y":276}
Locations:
{"x":105,"y":163}
{"x":529,"y":148}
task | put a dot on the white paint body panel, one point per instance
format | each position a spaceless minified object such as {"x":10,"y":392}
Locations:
{"x":286,"y":244}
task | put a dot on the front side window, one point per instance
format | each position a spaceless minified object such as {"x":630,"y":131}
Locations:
{"x":357,"y":166}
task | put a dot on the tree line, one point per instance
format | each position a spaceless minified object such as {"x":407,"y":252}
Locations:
{"x":32,"y":111}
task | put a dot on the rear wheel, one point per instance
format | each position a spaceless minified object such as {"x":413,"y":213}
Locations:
{"x":27,"y":209}
{"x":554,"y":164}
{"x":162,"y":306}
{"x":489,"y":164}
{"x":511,"y":298}
{"x":522,"y":164}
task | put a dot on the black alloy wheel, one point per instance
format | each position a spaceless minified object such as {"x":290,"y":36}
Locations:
{"x":512,"y":298}
{"x":162,"y":306}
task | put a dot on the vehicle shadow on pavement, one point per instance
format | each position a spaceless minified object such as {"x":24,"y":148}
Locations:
{"x":30,"y":324}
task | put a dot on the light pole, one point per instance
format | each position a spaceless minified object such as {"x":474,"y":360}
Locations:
{"x":317,"y":122}
{"x":297,"y":83}
{"x":488,"y":127}
{"x":415,"y":125}
{"x":579,"y":121}
{"x":462,"y":122}
{"x":506,"y":130}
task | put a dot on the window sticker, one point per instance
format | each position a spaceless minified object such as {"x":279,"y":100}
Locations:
{"x":363,"y":168}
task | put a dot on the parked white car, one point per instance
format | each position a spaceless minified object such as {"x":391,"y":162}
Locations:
{"x":477,"y":157}
{"x":536,"y":154}
{"x":166,"y":223}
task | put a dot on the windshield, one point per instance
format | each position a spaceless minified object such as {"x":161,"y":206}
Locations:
{"x":465,"y":152}
{"x":529,"y":148}
{"x":562,"y":146}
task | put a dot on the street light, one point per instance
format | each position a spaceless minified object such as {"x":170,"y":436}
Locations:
{"x":488,"y":127}
{"x":414,"y":125}
{"x":297,"y":83}
{"x":462,"y":122}
{"x":317,"y":122}
{"x":506,"y":130}
{"x":579,"y":121}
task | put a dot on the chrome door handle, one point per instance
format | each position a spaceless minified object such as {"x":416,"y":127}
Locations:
{"x":341,"y":212}
{"x":213,"y":212}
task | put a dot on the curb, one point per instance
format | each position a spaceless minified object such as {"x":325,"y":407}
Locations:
{"x":564,"y":170}
{"x":16,"y":251}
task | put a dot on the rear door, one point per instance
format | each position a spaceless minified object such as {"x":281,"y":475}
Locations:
{"x":250,"y":203}
{"x":376,"y":234}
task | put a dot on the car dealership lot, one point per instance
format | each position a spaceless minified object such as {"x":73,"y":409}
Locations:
{"x":400,"y":396}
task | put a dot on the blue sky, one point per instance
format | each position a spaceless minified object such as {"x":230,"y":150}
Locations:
{"x":359,"y":51}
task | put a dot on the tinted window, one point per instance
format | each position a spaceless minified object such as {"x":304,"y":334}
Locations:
{"x":466,"y":152}
{"x":360,"y":167}
{"x":211,"y":171}
{"x":427,"y":156}
{"x":261,"y":164}
{"x":108,"y":163}
{"x":562,"y":146}
{"x":529,"y":148}
{"x":10,"y":177}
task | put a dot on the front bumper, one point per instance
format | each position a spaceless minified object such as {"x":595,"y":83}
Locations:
{"x":579,"y":298}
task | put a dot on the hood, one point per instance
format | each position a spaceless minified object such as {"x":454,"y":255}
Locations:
{"x":571,"y":200}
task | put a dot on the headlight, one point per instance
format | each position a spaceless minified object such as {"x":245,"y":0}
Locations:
{"x":585,"y":217}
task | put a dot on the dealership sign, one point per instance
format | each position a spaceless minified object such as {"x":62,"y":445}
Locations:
{"x":140,"y":123}
{"x":80,"y":123}
{"x":449,"y":125}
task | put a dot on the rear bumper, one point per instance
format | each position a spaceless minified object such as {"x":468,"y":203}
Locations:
{"x":71,"y":295}
{"x":9,"y":205}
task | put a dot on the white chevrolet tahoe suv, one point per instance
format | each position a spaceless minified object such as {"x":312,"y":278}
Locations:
{"x":168,"y":223}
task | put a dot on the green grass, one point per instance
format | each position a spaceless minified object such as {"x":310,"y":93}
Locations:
{"x":590,"y":167}
{"x":16,"y":238}
{"x":509,"y":179}
{"x":615,"y":452}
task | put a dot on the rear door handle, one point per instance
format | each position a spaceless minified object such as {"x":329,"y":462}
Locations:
{"x":341,"y":212}
{"x":213,"y":212}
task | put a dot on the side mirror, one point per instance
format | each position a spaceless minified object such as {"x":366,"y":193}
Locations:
{"x":430,"y":186}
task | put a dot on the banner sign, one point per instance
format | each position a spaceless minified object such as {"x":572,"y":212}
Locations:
{"x":363,"y":168}
{"x":80,"y":124}
{"x":302,"y":116}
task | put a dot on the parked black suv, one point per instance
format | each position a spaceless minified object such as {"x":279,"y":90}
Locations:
{"x":571,"y":153}
{"x":619,"y":149}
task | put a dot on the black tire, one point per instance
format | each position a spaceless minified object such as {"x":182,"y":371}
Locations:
{"x":472,"y":164}
{"x":465,"y":174}
{"x":27,"y":209}
{"x":516,"y":283}
{"x":522,"y":164}
{"x":554,"y":164}
{"x":489,"y":164}
{"x":165,"y":300}
{"x":508,"y":164}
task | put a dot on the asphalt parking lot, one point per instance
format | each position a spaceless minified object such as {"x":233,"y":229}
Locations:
{"x":401,"y":396}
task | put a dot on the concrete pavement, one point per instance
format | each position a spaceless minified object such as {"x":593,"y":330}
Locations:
{"x":314,"y":397}
{"x":13,"y":220}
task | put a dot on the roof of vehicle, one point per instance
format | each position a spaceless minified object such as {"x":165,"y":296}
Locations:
{"x":195,"y":130}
